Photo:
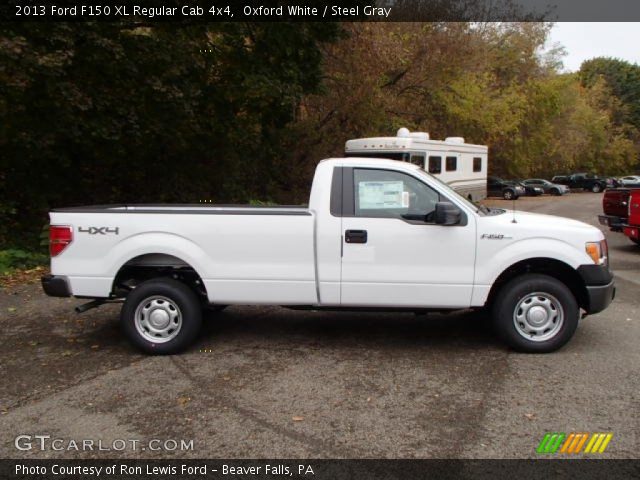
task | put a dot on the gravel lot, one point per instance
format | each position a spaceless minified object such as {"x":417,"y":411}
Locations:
{"x":270,"y":382}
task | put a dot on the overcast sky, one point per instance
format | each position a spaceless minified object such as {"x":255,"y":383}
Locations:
{"x":587,"y":40}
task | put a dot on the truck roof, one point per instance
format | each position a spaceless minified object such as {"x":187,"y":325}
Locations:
{"x":371,"y":161}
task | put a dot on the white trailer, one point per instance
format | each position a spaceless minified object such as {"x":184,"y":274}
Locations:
{"x":461,"y":165}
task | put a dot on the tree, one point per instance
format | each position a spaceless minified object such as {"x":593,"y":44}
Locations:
{"x":134,"y":112}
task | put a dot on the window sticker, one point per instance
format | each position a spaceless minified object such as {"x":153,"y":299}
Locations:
{"x":379,"y":195}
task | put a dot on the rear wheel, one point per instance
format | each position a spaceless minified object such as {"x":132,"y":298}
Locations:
{"x":535,"y":313}
{"x":555,"y":192}
{"x":161,"y":316}
{"x":509,"y":195}
{"x":635,"y":240}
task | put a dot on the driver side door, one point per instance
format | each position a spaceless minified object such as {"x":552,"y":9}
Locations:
{"x":393,"y":254}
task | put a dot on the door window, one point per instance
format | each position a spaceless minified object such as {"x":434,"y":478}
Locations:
{"x":389,"y":194}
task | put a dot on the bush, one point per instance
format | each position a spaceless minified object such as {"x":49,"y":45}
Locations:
{"x":15,"y":258}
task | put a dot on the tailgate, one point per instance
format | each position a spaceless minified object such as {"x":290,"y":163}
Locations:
{"x":615,"y":202}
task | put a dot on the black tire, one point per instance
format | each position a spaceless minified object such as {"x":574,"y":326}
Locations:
{"x":635,"y":240}
{"x":510,"y":297}
{"x":596,"y":188}
{"x":555,"y":192}
{"x":188,"y":307}
{"x":509,"y":195}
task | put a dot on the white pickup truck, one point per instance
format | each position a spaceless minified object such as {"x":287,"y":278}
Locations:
{"x":378,"y":234}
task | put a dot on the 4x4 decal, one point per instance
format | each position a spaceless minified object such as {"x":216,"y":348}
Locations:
{"x":99,"y":230}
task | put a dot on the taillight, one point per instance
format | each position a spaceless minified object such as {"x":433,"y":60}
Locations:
{"x":60,"y":236}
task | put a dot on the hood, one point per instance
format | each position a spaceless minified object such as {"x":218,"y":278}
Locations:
{"x":544,"y":225}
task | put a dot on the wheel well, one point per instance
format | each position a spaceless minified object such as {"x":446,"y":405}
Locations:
{"x":547,"y":266}
{"x":156,"y":265}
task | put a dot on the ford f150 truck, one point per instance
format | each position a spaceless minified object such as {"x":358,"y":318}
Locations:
{"x":378,"y":234}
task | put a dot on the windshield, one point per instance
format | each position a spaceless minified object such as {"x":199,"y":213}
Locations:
{"x":480,"y":209}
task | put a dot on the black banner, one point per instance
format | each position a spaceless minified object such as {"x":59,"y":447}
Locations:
{"x":191,"y":11}
{"x":579,"y":469}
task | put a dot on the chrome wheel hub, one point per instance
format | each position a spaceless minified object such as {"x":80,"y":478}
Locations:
{"x":158,"y":319}
{"x":538,"y":316}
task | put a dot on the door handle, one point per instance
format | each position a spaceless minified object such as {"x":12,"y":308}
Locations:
{"x":355,"y":236}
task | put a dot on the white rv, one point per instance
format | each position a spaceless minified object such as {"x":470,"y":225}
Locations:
{"x":461,"y":165}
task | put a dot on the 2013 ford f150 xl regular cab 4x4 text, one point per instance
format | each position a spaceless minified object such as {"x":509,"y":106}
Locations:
{"x":377,"y":234}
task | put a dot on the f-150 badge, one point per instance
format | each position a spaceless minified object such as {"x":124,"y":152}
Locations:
{"x":495,"y":236}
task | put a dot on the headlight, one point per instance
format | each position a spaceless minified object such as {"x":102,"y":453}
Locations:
{"x":598,"y":251}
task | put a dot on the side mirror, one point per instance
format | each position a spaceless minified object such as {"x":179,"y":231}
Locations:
{"x":447,"y":214}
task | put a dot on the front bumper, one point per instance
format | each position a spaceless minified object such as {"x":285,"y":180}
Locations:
{"x":56,"y":286}
{"x":601,"y":288}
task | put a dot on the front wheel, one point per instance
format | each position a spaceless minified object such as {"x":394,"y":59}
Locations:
{"x":161,"y":316}
{"x":596,"y":188}
{"x":508,"y":195}
{"x":555,"y":192}
{"x":535,"y":313}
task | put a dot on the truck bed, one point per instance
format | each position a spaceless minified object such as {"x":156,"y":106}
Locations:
{"x":266,"y":254}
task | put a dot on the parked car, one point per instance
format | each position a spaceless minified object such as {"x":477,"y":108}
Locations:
{"x":582,"y":181}
{"x":507,"y":189}
{"x":612,"y":182}
{"x":630,"y":180}
{"x":547,"y":186}
{"x":531,"y":190}
{"x":377,"y":234}
{"x":621,"y":208}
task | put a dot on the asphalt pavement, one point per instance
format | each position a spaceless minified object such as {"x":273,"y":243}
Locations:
{"x":266,"y":382}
